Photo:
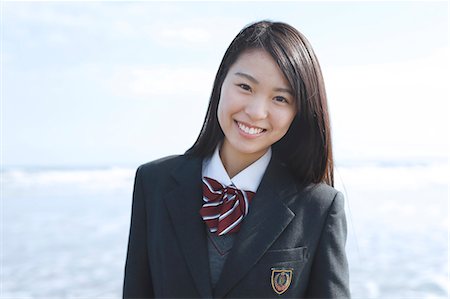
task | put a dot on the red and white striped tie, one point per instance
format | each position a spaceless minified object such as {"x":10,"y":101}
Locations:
{"x":224,"y":207}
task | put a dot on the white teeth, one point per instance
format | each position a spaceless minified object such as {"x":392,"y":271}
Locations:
{"x":251,"y":131}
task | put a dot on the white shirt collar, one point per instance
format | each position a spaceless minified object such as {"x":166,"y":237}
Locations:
{"x":248,"y":179}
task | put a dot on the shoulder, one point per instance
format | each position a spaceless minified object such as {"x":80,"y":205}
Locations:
{"x":160,"y":168}
{"x":321,"y":193}
{"x":161,"y":165}
{"x":321,"y":198}
{"x":325,"y":198}
{"x":318,"y":195}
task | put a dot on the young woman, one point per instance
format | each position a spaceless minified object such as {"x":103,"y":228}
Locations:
{"x":249,"y":210}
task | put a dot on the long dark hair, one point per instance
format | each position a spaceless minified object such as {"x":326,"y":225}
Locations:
{"x":306,"y":147}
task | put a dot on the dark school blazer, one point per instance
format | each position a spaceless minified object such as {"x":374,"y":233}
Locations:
{"x":303,"y":230}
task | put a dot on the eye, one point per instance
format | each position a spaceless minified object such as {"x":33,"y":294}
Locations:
{"x":244,"y":86}
{"x":281,"y":99}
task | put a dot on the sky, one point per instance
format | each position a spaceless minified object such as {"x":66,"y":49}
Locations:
{"x":92,"y":84}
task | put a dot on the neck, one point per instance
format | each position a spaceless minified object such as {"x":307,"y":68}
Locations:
{"x":236,"y":162}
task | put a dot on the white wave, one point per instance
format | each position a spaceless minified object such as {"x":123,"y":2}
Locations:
{"x":114,"y":178}
{"x":395,"y":177}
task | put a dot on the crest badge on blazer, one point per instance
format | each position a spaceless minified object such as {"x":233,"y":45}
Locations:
{"x":281,"y":280}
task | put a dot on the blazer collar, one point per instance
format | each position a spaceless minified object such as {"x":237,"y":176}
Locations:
{"x":184,"y":202}
{"x":269,"y":215}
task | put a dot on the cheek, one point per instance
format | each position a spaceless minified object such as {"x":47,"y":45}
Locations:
{"x":226,"y":106}
{"x":220,"y":116}
{"x":291,"y":120}
{"x":222,"y":110}
{"x":284,"y":121}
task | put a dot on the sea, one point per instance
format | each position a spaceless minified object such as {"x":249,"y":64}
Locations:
{"x":64,"y":231}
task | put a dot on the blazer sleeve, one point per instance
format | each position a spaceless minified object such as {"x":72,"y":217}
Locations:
{"x":137,"y":278}
{"x":329,"y":274}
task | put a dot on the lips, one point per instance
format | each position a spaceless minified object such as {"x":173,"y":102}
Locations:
{"x":249,"y":129}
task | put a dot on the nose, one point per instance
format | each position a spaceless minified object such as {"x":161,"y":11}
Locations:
{"x":256,"y":108}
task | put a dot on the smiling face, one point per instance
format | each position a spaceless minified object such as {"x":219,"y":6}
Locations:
{"x":256,"y":108}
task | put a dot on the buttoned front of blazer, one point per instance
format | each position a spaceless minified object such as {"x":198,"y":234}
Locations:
{"x":287,"y":228}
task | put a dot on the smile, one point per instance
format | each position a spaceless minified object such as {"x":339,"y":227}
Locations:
{"x":249,"y":130}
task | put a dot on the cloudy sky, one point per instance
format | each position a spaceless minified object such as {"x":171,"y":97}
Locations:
{"x":118,"y":83}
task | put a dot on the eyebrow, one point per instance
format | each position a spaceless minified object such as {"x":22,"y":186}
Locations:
{"x":251,"y":78}
{"x":287,"y":90}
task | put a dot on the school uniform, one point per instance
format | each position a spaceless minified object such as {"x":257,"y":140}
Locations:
{"x":291,"y":244}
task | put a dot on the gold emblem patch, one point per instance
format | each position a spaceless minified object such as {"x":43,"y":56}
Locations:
{"x":281,"y":280}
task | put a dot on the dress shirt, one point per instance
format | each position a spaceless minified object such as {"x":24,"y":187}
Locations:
{"x":249,"y":180}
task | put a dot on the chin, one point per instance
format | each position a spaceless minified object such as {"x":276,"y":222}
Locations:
{"x":250,"y":151}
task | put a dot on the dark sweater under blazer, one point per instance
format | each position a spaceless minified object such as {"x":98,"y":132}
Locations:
{"x":288,"y":227}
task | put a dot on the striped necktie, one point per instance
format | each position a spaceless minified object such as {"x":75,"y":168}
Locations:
{"x":224,"y":207}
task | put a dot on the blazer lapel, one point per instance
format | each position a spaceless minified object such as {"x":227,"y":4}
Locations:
{"x":184,"y":203}
{"x":268,"y":217}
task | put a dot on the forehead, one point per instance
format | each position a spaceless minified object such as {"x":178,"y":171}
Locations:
{"x":259,"y":64}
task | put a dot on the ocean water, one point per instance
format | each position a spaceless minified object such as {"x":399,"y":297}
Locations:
{"x":398,"y":230}
{"x":64,"y":231}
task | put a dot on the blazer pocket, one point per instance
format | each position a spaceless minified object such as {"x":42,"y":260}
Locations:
{"x":297,"y":254}
{"x":258,"y":283}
